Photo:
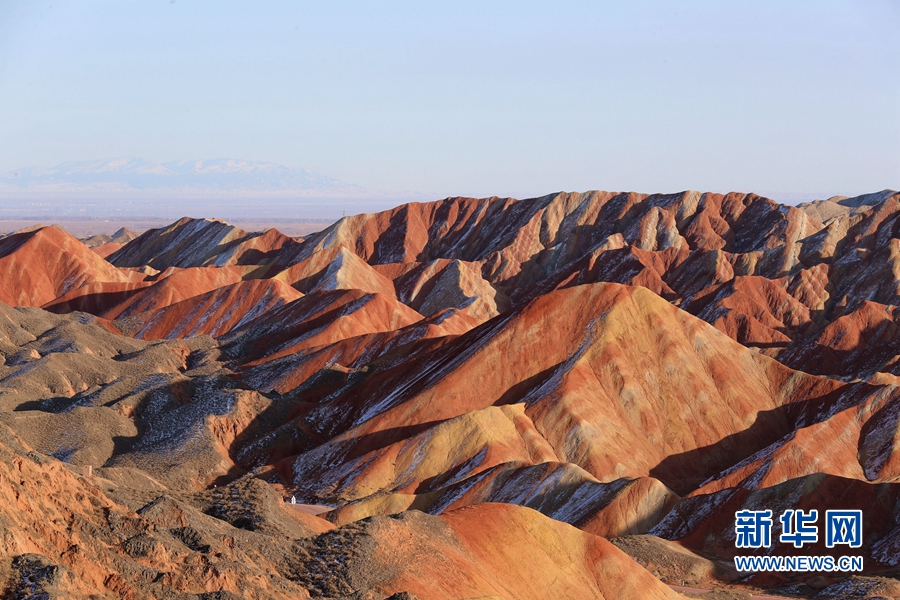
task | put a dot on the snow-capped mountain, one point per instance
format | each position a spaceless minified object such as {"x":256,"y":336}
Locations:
{"x":196,"y":176}
{"x":222,"y":187}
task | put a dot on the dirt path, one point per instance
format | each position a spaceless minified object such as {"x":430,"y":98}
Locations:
{"x":311,"y":509}
{"x":689,"y":590}
{"x":693,"y":590}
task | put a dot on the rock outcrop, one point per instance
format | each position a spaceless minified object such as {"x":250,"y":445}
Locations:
{"x":464,"y":396}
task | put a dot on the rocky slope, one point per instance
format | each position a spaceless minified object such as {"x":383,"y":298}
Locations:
{"x":475,"y":392}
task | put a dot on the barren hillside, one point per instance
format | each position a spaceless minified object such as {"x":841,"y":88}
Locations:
{"x":467,"y":398}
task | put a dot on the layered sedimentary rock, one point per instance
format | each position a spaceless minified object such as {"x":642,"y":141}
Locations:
{"x":443,"y":384}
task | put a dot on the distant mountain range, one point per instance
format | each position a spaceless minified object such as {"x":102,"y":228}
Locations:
{"x":187,"y":176}
{"x":102,"y":186}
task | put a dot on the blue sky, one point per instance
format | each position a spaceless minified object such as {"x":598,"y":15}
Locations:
{"x":467,"y":98}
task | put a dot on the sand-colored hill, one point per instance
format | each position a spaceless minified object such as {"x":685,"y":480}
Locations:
{"x":68,"y":536}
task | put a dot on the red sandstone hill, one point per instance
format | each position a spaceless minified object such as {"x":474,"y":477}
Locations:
{"x":624,"y":364}
{"x":38,"y":266}
{"x":218,"y":311}
{"x":201,"y":242}
{"x":768,"y":275}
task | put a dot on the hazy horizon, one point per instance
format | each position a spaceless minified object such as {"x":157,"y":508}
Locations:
{"x":134,"y":189}
{"x":508,"y":99}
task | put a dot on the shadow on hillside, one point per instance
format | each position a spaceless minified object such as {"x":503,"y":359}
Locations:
{"x":94,"y":304}
{"x":519,"y":391}
{"x":684,"y":472}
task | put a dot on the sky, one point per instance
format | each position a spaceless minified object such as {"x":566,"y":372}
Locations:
{"x":467,"y":98}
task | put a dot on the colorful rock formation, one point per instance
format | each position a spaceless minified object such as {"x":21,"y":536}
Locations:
{"x":473,"y":392}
